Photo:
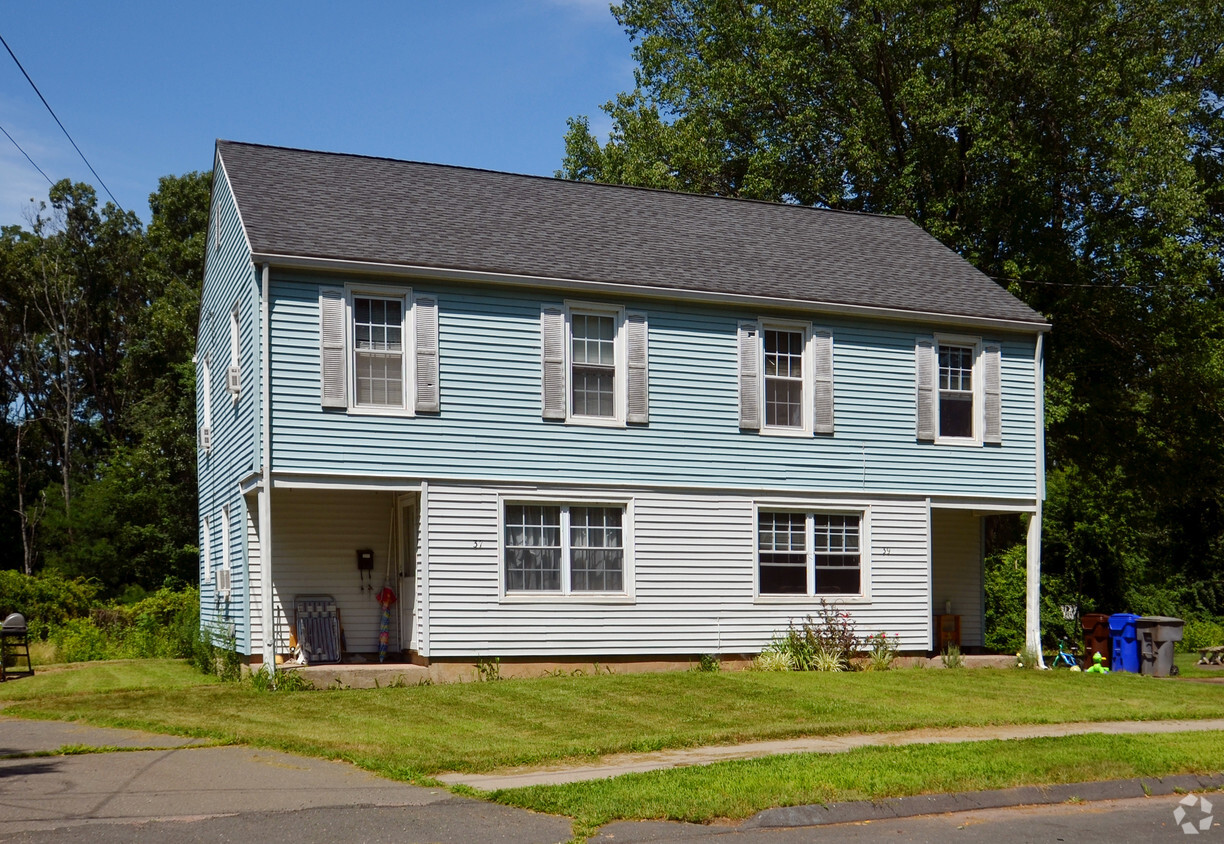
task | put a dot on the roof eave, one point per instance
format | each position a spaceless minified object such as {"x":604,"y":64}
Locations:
{"x":306,"y":262}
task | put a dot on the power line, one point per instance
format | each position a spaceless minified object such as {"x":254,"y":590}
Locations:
{"x":27,"y":155}
{"x":61,"y":125}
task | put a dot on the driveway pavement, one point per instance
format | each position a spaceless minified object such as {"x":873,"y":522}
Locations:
{"x":177,"y":792}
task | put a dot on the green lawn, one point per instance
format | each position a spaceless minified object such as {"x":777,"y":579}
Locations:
{"x":412,"y":733}
{"x":739,"y":789}
{"x":54,"y":681}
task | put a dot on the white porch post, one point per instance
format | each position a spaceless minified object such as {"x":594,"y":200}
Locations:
{"x":265,"y":492}
{"x":1032,"y":615}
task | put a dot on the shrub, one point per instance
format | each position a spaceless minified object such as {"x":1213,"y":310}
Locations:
{"x":882,"y":651}
{"x":773,"y":659}
{"x":824,"y":660}
{"x":47,"y":600}
{"x":80,"y":640}
{"x":951,"y":656}
{"x":1201,"y":633}
{"x":708,"y":663}
{"x":831,"y":632}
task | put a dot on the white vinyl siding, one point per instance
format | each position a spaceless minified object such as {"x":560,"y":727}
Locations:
{"x":690,"y":564}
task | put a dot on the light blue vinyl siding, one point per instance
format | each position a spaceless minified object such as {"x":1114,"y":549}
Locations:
{"x":490,"y":425}
{"x":229,"y":280}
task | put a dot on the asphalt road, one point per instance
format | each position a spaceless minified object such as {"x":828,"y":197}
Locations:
{"x":1138,"y":820}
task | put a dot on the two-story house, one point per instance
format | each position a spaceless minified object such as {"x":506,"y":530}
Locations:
{"x":566,"y":420}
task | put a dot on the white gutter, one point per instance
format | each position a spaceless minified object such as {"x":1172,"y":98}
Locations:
{"x":265,"y":494}
{"x":644,"y":290}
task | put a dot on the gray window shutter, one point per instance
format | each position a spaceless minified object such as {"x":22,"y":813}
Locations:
{"x":992,"y":381}
{"x":552,"y":347}
{"x":638,"y":384}
{"x":822,"y":367}
{"x":333,"y":359}
{"x":426,"y":314}
{"x":924,"y":362}
{"x":749,"y":376}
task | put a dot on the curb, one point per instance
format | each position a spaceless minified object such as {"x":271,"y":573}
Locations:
{"x":938,"y":804}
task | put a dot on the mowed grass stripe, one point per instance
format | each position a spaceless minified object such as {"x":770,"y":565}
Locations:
{"x":740,"y":789}
{"x":412,"y":733}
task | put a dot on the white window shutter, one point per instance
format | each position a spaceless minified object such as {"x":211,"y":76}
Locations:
{"x":426,"y":313}
{"x":552,"y":348}
{"x":992,"y":381}
{"x":638,"y":383}
{"x":749,"y":376}
{"x":333,"y":358}
{"x":822,"y":367}
{"x":924,"y":365}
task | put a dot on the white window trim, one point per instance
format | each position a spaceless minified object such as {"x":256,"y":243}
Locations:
{"x":627,"y":596}
{"x":979,"y":396}
{"x":225,"y":539}
{"x":620,"y":398}
{"x":205,"y":400}
{"x":809,"y":510}
{"x":235,"y":349}
{"x":408,"y":346}
{"x":206,"y":530}
{"x":809,"y":384}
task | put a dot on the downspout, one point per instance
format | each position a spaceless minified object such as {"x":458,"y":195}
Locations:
{"x":1032,"y":637}
{"x":265,"y":492}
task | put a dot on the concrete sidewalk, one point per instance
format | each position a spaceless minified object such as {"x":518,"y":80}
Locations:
{"x":187,"y":789}
{"x":611,"y":766}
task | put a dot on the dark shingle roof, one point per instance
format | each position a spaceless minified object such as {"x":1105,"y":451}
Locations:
{"x":348,"y":207}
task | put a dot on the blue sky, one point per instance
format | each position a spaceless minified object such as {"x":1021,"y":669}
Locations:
{"x":145,"y":88}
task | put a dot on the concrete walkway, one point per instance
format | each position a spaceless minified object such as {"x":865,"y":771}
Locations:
{"x":177,"y":791}
{"x":611,"y":766}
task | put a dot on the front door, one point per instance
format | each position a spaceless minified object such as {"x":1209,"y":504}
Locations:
{"x":406,"y":590}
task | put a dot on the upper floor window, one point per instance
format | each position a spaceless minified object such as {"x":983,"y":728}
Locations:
{"x":956,"y":390}
{"x":959,"y":390}
{"x":564,"y":549}
{"x":785,"y":378}
{"x":594,"y":364}
{"x":809,"y":553}
{"x":378,"y":350}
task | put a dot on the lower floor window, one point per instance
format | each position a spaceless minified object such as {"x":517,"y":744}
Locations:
{"x":809,"y":553}
{"x":564,"y":549}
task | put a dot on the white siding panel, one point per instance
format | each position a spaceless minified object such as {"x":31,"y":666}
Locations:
{"x":956,"y":551}
{"x":316,"y":535}
{"x":693,"y":556}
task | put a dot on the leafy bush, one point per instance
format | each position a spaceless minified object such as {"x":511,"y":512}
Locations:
{"x":1201,"y":633}
{"x":47,"y":600}
{"x":883,"y":651}
{"x":832,"y":633}
{"x":708,"y":663}
{"x":80,"y":640}
{"x":773,"y":659}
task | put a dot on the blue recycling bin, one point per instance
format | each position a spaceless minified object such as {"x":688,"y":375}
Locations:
{"x":1125,"y":642}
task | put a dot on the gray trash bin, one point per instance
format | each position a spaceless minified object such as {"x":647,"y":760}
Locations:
{"x":1156,"y":635}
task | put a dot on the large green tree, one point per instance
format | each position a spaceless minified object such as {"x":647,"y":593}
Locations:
{"x":1072,"y":150}
{"x":98,"y":388}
